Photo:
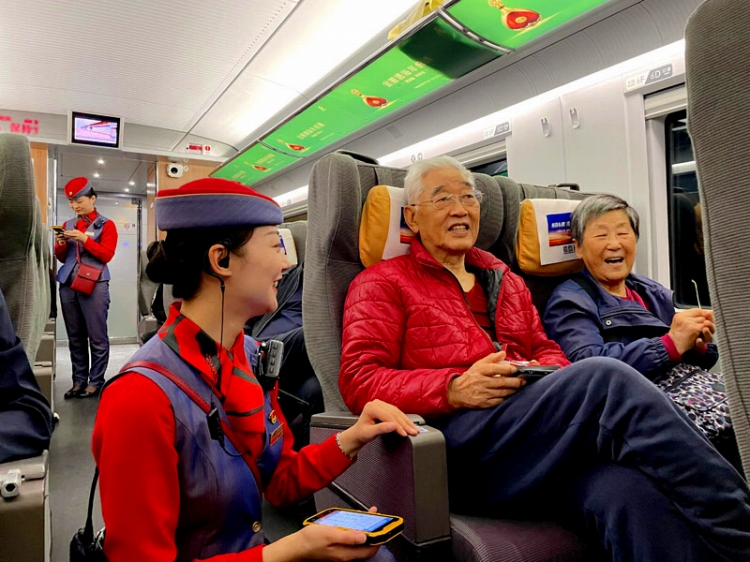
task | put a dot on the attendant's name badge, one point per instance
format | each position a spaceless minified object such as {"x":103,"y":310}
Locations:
{"x":277,"y":433}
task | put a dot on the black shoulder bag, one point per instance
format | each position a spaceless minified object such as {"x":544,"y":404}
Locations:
{"x":85,"y":546}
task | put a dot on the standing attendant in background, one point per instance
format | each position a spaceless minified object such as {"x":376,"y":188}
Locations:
{"x":89,"y":239}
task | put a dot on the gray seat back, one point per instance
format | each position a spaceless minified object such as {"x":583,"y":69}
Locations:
{"x":513,"y":194}
{"x":24,"y":255}
{"x":717,"y":53}
{"x":338,"y":188}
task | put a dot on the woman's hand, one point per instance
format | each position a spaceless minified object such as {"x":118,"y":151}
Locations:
{"x":690,"y":326}
{"x":376,"y":419}
{"x":76,"y":235}
{"x":707,"y":334}
{"x":321,"y":542}
{"x":60,"y":238}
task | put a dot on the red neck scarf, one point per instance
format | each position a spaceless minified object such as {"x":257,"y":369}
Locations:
{"x":227,"y":372}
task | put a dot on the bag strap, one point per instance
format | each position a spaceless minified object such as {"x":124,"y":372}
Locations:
{"x":201,"y":403}
{"x":78,"y":253}
{"x":88,"y":529}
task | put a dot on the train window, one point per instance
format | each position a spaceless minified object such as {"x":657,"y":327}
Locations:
{"x":687,"y":258}
{"x":494,"y":168}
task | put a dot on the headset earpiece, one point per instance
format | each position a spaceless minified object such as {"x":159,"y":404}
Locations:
{"x":221,"y":262}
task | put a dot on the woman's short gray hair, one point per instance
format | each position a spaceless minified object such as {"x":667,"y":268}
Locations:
{"x":413,"y":181}
{"x":594,"y":207}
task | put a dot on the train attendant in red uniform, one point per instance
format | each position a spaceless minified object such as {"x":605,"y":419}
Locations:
{"x":189,"y":435}
{"x":86,"y":244}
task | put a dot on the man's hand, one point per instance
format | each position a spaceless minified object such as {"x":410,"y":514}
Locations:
{"x":692,"y":328}
{"x":485,"y":384}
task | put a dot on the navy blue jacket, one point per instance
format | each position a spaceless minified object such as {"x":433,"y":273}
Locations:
{"x":288,"y":313}
{"x":609,"y":326}
{"x":25,"y":415}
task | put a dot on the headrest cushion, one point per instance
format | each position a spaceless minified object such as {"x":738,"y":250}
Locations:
{"x":383,"y":233}
{"x":288,"y":245}
{"x":544,"y":246}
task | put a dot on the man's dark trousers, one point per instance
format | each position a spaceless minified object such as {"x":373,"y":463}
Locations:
{"x":86,"y":321}
{"x":599,"y":444}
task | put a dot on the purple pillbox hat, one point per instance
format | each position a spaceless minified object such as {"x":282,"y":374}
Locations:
{"x":214,"y":203}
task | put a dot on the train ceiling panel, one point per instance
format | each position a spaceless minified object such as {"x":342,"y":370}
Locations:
{"x":160,"y":64}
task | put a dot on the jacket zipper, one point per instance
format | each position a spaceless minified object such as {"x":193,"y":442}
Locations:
{"x":643,"y":312}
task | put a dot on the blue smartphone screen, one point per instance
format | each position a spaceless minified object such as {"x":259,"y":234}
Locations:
{"x":366,"y":522}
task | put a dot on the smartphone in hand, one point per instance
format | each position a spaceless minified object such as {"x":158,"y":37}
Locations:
{"x":532,"y":373}
{"x":378,"y":527}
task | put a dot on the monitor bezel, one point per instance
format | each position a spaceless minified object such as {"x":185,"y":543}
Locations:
{"x":72,"y":115}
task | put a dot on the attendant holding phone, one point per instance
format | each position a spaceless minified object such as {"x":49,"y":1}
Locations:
{"x":190,"y":435}
{"x":89,"y":239}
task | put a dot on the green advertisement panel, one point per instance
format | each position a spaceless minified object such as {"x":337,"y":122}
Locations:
{"x":431,"y":58}
{"x":513,"y":23}
{"x":254,"y":164}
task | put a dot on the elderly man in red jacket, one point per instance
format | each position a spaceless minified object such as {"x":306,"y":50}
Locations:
{"x":593,"y":444}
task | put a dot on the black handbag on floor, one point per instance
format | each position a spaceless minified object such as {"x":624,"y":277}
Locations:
{"x":85,"y":545}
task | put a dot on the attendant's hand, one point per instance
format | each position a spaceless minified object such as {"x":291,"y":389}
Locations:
{"x":76,"y":235}
{"x":377,"y":418}
{"x":689,"y":326}
{"x":321,"y":542}
{"x":60,"y":238}
{"x":487,"y":383}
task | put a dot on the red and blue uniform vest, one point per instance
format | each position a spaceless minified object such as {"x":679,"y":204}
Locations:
{"x":93,"y":230}
{"x":220,"y":498}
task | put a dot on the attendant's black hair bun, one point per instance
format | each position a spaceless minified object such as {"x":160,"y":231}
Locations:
{"x":158,"y":268}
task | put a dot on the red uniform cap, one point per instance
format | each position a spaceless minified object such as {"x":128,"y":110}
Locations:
{"x":78,"y":187}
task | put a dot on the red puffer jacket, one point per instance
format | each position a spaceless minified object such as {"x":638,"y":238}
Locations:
{"x":408,"y":330}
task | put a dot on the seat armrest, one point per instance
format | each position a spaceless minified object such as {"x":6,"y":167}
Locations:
{"x":25,"y":520}
{"x":403,"y":476}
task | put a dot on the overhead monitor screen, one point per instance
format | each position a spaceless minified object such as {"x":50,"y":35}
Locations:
{"x":95,"y":130}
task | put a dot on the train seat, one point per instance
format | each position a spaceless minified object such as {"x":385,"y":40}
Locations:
{"x":403,"y":476}
{"x":298,"y":230}
{"x":513,"y":195}
{"x":716,"y":55}
{"x":25,"y":259}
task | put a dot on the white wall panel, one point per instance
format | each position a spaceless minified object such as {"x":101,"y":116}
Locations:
{"x":596,"y":151}
{"x":532,"y":156}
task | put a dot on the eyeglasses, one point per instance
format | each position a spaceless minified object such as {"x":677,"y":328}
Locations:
{"x":471,"y":199}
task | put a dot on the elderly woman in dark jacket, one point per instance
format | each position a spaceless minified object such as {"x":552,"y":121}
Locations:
{"x":608,"y":311}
